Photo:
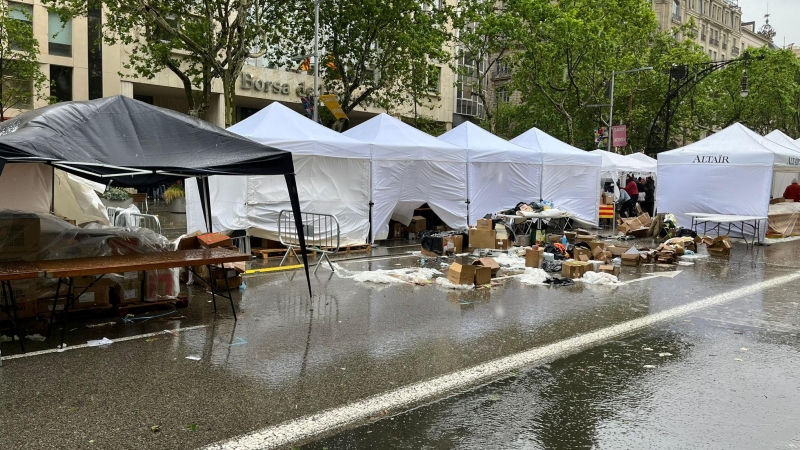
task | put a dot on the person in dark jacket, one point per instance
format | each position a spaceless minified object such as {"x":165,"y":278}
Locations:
{"x":649,"y":196}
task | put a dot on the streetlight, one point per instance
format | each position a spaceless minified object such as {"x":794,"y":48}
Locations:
{"x":316,"y":61}
{"x":611,"y":113}
{"x":744,"y":92}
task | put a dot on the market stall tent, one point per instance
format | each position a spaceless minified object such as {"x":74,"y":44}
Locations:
{"x":411,"y":168}
{"x":332,"y":171}
{"x":614,"y":165}
{"x":650,"y":163}
{"x":130,"y":143}
{"x":729,"y":172}
{"x":499,"y":173}
{"x":570,"y":177}
{"x":783,"y":179}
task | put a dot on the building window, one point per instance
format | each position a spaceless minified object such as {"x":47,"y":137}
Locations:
{"x":144,"y":98}
{"x":23,"y":13}
{"x":59,"y":35}
{"x":502,"y":95}
{"x":430,"y":5}
{"x":700,"y":6}
{"x":61,"y":87}
{"x":434,"y":77}
{"x":94,"y":26}
{"x":18,"y":93}
{"x":676,"y":8}
{"x":501,"y":68}
{"x":467,"y":101}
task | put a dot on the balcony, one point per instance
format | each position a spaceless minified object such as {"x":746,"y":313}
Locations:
{"x":676,"y":19}
{"x":735,"y":51}
{"x":703,"y":37}
{"x":724,"y":45}
{"x":713,"y":41}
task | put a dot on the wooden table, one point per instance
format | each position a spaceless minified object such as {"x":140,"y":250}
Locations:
{"x":66,"y":269}
{"x":15,"y":271}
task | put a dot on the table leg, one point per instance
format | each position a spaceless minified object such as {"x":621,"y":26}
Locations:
{"x":230,"y":296}
{"x":67,"y":300}
{"x":214,"y":291}
{"x":211,"y":285}
{"x":53,"y":310}
{"x":10,"y":301}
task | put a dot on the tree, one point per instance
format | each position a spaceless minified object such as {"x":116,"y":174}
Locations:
{"x":21,"y":78}
{"x":569,"y":49}
{"x":199,"y":40}
{"x":375,"y":52}
{"x":487,"y":33}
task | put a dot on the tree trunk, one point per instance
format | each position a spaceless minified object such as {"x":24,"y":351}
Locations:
{"x":229,"y":94}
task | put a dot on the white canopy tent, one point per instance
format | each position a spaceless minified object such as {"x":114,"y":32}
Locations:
{"x":783,"y":179}
{"x":500,"y":174}
{"x":650,"y":163}
{"x":615,"y":165}
{"x":411,"y":168}
{"x":729,"y":172}
{"x":570,"y":177}
{"x":332,"y":178}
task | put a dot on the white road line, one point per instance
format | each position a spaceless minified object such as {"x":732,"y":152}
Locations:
{"x":308,"y":427}
{"x":123,"y":339}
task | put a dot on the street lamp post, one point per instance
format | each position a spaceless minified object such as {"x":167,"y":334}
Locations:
{"x":316,"y":61}
{"x":611,"y":110}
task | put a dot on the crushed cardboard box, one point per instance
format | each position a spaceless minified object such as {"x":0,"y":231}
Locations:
{"x":418,"y":223}
{"x":631,"y":257}
{"x":491,"y":263}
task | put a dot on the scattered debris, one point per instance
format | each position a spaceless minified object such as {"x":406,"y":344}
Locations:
{"x":194,"y":358}
{"x":599,"y":278}
{"x":664,"y":354}
{"x":532,"y":276}
{"x":192,"y":427}
{"x":737,"y":359}
{"x":445,"y":283}
{"x":155,"y":428}
{"x":4,"y":338}
{"x":647,"y":349}
{"x":35,"y":337}
{"x":99,"y":342}
{"x":648,"y":366}
{"x":95,"y":325}
{"x":412,"y":275}
{"x":743,"y":349}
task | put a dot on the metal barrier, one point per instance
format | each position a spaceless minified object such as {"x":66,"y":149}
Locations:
{"x":112,"y":212}
{"x":321,"y":233}
{"x":242,"y":243}
{"x":148,"y":221}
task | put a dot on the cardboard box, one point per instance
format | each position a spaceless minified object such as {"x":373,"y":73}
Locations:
{"x":598,"y":253}
{"x":609,"y":269}
{"x":126,"y":292}
{"x":25,"y":299}
{"x":485,"y":224}
{"x":570,"y":235}
{"x":399,"y":230}
{"x":214,"y":240}
{"x":482,"y":238}
{"x":607,"y":199}
{"x":44,"y":306}
{"x":579,"y":252}
{"x":97,"y":295}
{"x":645,"y":220}
{"x":523,"y":240}
{"x":624,"y":229}
{"x":534,"y":257}
{"x":20,"y":233}
{"x":233,"y":283}
{"x":91,"y":280}
{"x":502,"y":244}
{"x":720,"y":247}
{"x":631,"y":257}
{"x":418,"y":223}
{"x":553,"y":238}
{"x":453,"y":244}
{"x":490,"y":263}
{"x":640,"y":233}
{"x":483,"y":275}
{"x":575,"y":269}
{"x":585,"y":238}
{"x":597,"y":244}
{"x":462,"y":274}
{"x":617,"y":250}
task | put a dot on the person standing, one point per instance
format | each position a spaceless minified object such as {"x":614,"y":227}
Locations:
{"x":792,"y":191}
{"x":649,"y":196}
{"x":633,"y":192}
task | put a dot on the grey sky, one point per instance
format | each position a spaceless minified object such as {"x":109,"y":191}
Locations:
{"x":784,"y":17}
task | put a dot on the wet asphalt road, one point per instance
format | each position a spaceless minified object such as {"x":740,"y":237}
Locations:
{"x":289,"y":356}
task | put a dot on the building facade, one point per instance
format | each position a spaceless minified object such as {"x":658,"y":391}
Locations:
{"x":79,"y":67}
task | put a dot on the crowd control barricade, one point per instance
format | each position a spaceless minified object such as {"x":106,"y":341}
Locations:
{"x":321,"y":234}
{"x":127,"y":219}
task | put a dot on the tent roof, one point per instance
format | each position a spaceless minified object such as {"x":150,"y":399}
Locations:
{"x":485,"y":146}
{"x":641,"y":157}
{"x":392,"y":139}
{"x":555,"y":152}
{"x":736,"y":145}
{"x":613,"y":162}
{"x":281,"y":127}
{"x":133,"y":143}
{"x":779,"y":137}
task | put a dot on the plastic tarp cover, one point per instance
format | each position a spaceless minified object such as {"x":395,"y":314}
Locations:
{"x":501,"y":174}
{"x":716,"y":189}
{"x":783,"y":220}
{"x":77,"y":199}
{"x":26,"y":187}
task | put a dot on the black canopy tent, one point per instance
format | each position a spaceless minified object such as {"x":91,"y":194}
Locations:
{"x":133,"y":144}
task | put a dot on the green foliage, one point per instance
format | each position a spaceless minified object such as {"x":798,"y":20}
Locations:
{"x":21,"y":79}
{"x":375,"y":51}
{"x":115,"y":194}
{"x":173,"y":193}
